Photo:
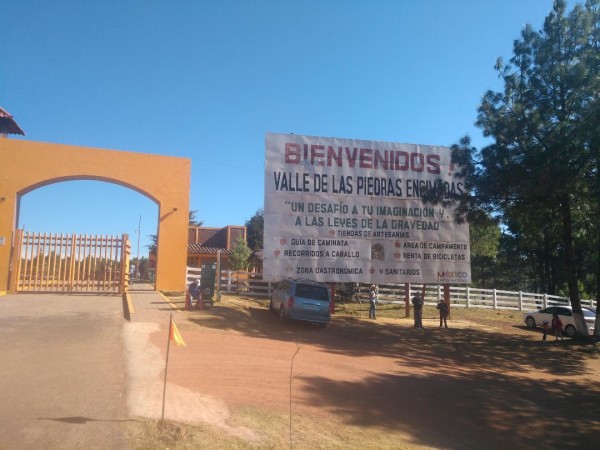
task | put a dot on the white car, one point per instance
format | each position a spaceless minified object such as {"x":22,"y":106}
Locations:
{"x":536,"y":318}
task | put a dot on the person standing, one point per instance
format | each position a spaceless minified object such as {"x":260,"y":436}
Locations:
{"x":442,"y":307}
{"x":545,"y":326}
{"x":372,"y":301}
{"x":557,"y":326}
{"x":417,"y":302}
{"x":194,"y":291}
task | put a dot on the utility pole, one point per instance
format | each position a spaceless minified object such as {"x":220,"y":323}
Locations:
{"x":138,"y":231}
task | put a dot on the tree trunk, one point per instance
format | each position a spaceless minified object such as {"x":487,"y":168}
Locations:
{"x":597,"y":325}
{"x":565,"y":206}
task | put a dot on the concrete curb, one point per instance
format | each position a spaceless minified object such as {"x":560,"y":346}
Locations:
{"x":168,"y":301}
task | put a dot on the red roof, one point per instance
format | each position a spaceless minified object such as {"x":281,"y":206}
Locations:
{"x":197,"y":249}
{"x":225,"y":237}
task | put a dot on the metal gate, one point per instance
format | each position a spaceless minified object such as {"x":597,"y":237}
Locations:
{"x":46,"y":262}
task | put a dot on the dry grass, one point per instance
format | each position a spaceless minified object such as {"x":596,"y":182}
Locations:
{"x":481,"y":316}
{"x":307,"y":433}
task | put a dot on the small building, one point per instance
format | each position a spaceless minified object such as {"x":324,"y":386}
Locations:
{"x":204,"y":243}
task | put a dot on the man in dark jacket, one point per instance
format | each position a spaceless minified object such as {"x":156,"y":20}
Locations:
{"x":417,"y":302}
{"x":442,"y":307}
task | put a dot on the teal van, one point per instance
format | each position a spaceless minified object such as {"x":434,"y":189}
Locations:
{"x":300,"y":299}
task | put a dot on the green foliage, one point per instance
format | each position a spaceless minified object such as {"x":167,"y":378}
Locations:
{"x":564,"y":290}
{"x":485,"y":240}
{"x":153,"y":243}
{"x":484,"y":244}
{"x":540,"y":176}
{"x":193,"y":220}
{"x":255,"y":227}
{"x":143,"y":266}
{"x":240,"y":255}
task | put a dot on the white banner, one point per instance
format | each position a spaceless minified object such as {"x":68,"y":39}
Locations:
{"x":348,"y":210}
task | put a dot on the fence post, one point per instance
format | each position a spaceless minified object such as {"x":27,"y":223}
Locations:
{"x":520,"y":300}
{"x":72,"y":261}
{"x":495,"y":300}
{"x":406,"y":299}
{"x":468,"y":297}
{"x":229,"y":281}
{"x":545,"y":300}
{"x":447,"y":297}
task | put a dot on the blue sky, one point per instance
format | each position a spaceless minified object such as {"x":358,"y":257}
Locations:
{"x":206,"y":80}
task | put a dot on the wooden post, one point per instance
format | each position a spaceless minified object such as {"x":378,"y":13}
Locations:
{"x":72,"y":261}
{"x":55,"y":277}
{"x":520,"y":301}
{"x":447,"y":297}
{"x":218,"y":276}
{"x":15,"y":261}
{"x":78,"y":261}
{"x":42,"y":256}
{"x":407,"y":300}
{"x":29,"y":239}
{"x":36,"y":267}
{"x":94,"y":263}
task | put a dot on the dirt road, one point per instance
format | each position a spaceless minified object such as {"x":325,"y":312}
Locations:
{"x":468,"y":386}
{"x":75,"y":374}
{"x":62,"y":381}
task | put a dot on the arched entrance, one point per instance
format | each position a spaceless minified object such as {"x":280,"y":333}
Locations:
{"x":100,"y":214}
{"x":26,"y":165}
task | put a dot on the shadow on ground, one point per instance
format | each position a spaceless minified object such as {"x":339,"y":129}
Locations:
{"x":497,"y":352}
{"x":80,"y":420}
{"x":480,"y":410}
{"x":453,"y":388}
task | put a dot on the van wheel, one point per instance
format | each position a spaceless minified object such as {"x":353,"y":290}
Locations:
{"x":322,"y":325}
{"x":281,"y":314}
{"x":570,"y":331}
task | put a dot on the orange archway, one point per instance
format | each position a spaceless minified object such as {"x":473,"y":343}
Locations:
{"x":27,"y":165}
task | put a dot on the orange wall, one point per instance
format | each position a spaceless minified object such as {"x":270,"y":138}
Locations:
{"x":27,"y":165}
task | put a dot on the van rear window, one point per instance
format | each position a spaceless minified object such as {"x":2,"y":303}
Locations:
{"x":312,"y":292}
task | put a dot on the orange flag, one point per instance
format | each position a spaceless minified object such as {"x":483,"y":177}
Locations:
{"x":176,"y":335}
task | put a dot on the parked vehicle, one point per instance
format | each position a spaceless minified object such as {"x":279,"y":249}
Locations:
{"x":536,"y":318}
{"x":300,"y":299}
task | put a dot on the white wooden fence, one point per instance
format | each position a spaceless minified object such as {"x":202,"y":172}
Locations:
{"x":460,"y":296}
